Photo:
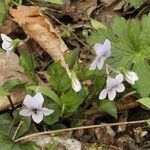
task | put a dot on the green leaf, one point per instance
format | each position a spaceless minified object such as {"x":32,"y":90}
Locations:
{"x":71,"y":101}
{"x":145,"y":102}
{"x":108,"y":107}
{"x":97,"y":25}
{"x":25,"y":122}
{"x":136,"y":3}
{"x":28,"y":64}
{"x":71,"y":57}
{"x":55,"y":1}
{"x":58,"y":126}
{"x":145,"y":33}
{"x":5,"y":122}
{"x":130,"y":48}
{"x":2,"y":11}
{"x":46,"y":91}
{"x":8,"y":85}
{"x":59,"y":78}
{"x":143,"y":84}
{"x":8,"y":125}
{"x":67,"y":31}
{"x":8,"y":144}
{"x":97,"y":36}
{"x":3,"y":92}
{"x":54,"y":117}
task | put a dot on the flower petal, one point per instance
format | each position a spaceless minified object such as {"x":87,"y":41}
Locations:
{"x":120,"y":88}
{"x":25,"y":112}
{"x":6,"y":38}
{"x":111,"y":94}
{"x":7,"y":46}
{"x":131,"y":77}
{"x":94,"y":63}
{"x":47,"y":111}
{"x":39,"y":98}
{"x":98,"y":47}
{"x":103,"y":94}
{"x":119,"y":78}
{"x":101,"y":63}
{"x":38,"y":117}
{"x":76,"y":85}
{"x":27,"y":101}
{"x":31,"y":103}
{"x":129,"y":80}
{"x":111,"y":82}
{"x":106,"y":48}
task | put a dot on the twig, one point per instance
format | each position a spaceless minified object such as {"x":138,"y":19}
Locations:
{"x":11,"y":103}
{"x":20,"y":124}
{"x":79,"y":128}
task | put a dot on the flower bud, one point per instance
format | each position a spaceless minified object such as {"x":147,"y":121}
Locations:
{"x":131,"y":77}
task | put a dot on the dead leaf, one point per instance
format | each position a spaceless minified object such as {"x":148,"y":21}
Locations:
{"x":7,"y":27}
{"x":120,"y":5}
{"x":10,"y":68}
{"x":122,"y":118}
{"x":122,"y":105}
{"x":105,"y":134}
{"x":41,"y":30}
{"x":107,"y":2}
{"x":17,"y":97}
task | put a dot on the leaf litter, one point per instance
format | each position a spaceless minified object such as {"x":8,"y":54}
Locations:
{"x":40,"y":29}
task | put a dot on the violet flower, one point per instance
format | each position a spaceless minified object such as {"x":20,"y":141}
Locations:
{"x":34,"y":108}
{"x":114,"y":85}
{"x":103,"y":51}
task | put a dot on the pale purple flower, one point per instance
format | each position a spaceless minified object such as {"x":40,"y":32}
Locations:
{"x":34,"y":108}
{"x":131,"y":77}
{"x":113,"y":86}
{"x":103,"y":51}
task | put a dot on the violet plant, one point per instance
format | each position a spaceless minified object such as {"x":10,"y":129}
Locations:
{"x":63,"y":93}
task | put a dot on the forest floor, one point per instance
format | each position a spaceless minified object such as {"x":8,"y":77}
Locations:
{"x":86,"y":125}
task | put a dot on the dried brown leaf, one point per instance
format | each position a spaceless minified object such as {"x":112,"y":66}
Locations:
{"x":41,"y":30}
{"x":16,"y":97}
{"x":105,"y":135}
{"x":10,"y":68}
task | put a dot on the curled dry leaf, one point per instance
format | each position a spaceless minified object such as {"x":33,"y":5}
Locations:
{"x":41,"y":30}
{"x":10,"y":69}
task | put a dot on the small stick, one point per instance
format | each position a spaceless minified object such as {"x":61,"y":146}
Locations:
{"x":20,"y":124}
{"x":79,"y":128}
